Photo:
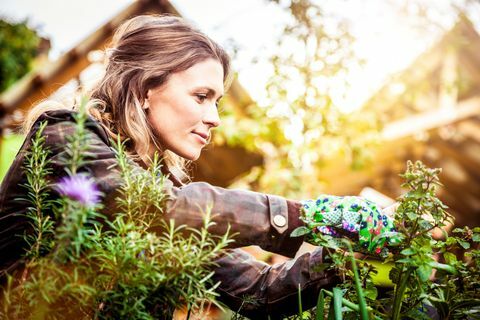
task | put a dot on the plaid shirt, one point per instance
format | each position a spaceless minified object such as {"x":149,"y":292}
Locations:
{"x":253,"y":287}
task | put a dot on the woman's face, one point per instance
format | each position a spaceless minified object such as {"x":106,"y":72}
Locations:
{"x":183,"y":110}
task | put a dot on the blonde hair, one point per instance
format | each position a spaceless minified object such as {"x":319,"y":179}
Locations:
{"x":145,"y":51}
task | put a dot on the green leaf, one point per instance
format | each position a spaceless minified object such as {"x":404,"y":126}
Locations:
{"x":358,"y":286}
{"x":390,"y":234}
{"x":412,"y":215}
{"x":464,"y":244}
{"x":467,"y":304}
{"x":424,"y":271}
{"x":320,"y":305}
{"x":408,"y":252}
{"x":450,"y":241}
{"x":300,"y":231}
{"x":476,"y":237}
{"x":371,"y":292}
{"x":443,"y":267}
{"x":450,"y":258}
{"x":337,"y":303}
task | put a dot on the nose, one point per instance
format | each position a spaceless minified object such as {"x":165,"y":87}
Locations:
{"x":211,"y":117}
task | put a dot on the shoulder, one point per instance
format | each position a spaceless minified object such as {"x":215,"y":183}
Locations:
{"x":62,"y":122}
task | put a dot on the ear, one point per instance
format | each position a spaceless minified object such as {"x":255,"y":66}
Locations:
{"x":146,"y":101}
{"x":146,"y":104}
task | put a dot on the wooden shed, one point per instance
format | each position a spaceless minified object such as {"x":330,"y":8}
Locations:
{"x":431,"y":112}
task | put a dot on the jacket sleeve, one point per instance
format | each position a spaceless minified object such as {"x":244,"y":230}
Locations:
{"x":260,"y":291}
{"x":256,"y":218}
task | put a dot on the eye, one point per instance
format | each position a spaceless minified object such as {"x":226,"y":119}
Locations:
{"x":201,"y":97}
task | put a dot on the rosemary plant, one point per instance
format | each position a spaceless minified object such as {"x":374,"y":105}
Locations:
{"x":37,"y":189}
{"x":84,"y":265}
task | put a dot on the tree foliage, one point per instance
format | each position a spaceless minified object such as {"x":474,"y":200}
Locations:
{"x":301,"y":126}
{"x":19,"y":46}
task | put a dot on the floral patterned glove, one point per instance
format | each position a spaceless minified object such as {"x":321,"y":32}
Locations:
{"x":351,"y":216}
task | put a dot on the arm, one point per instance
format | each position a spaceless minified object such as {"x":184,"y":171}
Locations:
{"x":254,"y":216}
{"x":258,"y":290}
{"x":250,"y":214}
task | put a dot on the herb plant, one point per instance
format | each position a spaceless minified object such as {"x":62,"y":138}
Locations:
{"x":83,"y":265}
{"x":430,"y":278}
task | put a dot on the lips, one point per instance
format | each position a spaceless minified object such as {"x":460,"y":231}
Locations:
{"x":202,"y":136}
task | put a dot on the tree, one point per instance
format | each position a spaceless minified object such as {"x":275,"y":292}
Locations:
{"x":19,"y":46}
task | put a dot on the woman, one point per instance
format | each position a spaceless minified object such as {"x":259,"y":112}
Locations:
{"x":160,"y":92}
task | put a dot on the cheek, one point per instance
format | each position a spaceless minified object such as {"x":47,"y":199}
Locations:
{"x":157,"y":122}
{"x":153,"y":120}
{"x":171,"y":118}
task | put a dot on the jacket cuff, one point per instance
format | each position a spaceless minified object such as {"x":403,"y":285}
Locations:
{"x":284,"y":218}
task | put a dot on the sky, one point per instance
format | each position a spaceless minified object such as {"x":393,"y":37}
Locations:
{"x":384,"y":38}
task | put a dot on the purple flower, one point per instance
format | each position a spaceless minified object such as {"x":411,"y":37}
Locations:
{"x":80,"y":188}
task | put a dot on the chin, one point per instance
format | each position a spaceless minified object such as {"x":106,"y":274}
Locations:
{"x":191,"y":156}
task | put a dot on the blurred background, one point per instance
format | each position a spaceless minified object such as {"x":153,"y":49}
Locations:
{"x":329,"y":96}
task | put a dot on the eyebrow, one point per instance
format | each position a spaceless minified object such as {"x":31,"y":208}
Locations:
{"x":211,"y":91}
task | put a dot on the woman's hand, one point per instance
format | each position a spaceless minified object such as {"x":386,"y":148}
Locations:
{"x":355,"y":217}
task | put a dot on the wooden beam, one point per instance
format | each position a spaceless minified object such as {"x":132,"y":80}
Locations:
{"x":454,"y":152}
{"x":470,"y":128}
{"x":384,"y":100}
{"x":471,"y":64}
{"x":464,"y":215}
{"x":431,"y":119}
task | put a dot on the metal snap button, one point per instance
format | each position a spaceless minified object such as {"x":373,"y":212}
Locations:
{"x":279,"y":220}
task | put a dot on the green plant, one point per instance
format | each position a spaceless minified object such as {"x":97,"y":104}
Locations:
{"x":430,"y":276}
{"x":93,"y":266}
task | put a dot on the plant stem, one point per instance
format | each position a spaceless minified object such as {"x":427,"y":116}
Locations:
{"x":358,"y":286}
{"x":350,"y":305}
{"x":362,"y":304}
{"x":399,"y":292}
{"x":300,"y":309}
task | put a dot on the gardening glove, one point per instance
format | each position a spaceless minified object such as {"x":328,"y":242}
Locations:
{"x":352,"y":217}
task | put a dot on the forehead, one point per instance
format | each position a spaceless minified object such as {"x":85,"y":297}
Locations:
{"x":207,"y":73}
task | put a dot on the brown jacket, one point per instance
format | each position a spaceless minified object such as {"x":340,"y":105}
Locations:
{"x":248,"y":285}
